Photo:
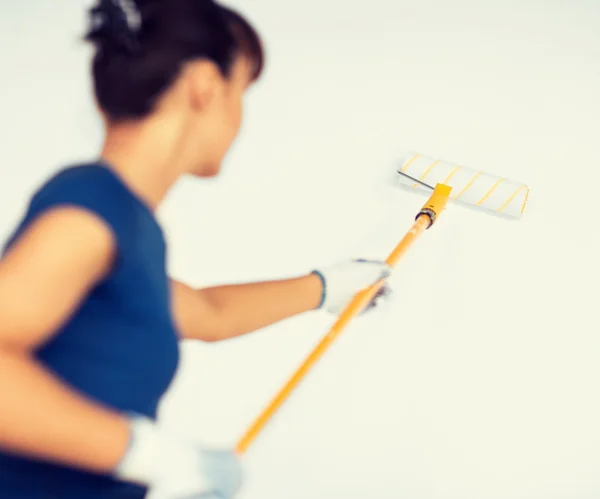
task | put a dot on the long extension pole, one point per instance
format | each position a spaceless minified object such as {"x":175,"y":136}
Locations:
{"x":425,"y":219}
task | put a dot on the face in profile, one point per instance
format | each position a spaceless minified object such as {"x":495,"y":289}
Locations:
{"x":222,"y":118}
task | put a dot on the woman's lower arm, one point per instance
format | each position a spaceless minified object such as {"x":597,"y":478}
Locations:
{"x":248,"y":307}
{"x":43,"y":419}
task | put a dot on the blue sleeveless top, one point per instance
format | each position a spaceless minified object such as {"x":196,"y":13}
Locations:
{"x":120,"y":347}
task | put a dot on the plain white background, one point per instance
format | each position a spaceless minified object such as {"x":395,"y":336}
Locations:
{"x":480,"y":380}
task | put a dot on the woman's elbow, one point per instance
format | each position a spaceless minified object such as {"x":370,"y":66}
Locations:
{"x":208,"y":333}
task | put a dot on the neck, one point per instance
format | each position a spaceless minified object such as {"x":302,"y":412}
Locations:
{"x":144,"y":155}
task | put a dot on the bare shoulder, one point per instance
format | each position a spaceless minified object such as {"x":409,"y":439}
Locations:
{"x":49,"y":269}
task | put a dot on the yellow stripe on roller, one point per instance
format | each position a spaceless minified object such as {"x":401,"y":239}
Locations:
{"x":452,"y":173}
{"x":489,"y":193}
{"x":477,"y":175}
{"x":508,"y":201}
{"x":429,"y":168}
{"x":525,"y":201}
{"x":410,"y":162}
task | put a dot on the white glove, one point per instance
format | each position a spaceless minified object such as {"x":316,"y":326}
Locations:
{"x":343,"y":280}
{"x":176,"y":469}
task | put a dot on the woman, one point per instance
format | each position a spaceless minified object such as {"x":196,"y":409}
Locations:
{"x":90,"y":323}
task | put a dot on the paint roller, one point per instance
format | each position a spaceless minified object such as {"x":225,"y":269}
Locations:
{"x":448,"y":181}
{"x":470,"y":187}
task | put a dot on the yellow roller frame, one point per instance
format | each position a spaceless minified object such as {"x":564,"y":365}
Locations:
{"x":425,"y":219}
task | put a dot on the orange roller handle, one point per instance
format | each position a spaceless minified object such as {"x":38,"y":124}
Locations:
{"x":425,"y":219}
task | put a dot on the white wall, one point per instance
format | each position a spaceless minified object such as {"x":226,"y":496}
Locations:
{"x":480,"y":381}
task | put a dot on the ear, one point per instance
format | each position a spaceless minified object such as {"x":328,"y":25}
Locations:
{"x":204,"y":80}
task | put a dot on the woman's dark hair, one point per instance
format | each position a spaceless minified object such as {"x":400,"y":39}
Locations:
{"x":142,"y":45}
